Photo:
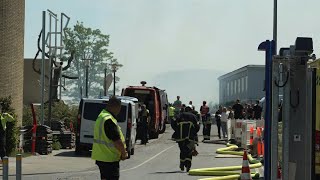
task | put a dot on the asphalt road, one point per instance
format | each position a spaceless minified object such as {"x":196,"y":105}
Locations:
{"x":158,"y":160}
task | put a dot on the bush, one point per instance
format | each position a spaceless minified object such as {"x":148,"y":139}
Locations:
{"x":59,"y":110}
{"x":56,"y":144}
{"x":12,"y":130}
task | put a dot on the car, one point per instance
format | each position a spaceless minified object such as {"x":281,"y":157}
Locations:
{"x":89,"y":109}
{"x":156,"y":102}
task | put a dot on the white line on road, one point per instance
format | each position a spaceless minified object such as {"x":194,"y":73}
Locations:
{"x":147,"y":160}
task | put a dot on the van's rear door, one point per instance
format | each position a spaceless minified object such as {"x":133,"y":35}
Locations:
{"x":90,"y":112}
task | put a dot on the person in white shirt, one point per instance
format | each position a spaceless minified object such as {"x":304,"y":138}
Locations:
{"x":224,"y":117}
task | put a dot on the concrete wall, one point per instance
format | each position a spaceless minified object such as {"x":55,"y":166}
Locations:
{"x":11,"y":52}
{"x":31,"y":84}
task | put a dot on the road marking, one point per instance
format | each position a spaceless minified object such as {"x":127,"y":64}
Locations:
{"x":147,"y":160}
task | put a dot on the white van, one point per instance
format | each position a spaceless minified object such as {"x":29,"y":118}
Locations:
{"x":89,"y":109}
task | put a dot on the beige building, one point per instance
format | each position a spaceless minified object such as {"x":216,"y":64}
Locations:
{"x":11,"y":52}
{"x":32,"y":82}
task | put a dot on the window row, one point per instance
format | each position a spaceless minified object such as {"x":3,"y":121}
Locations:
{"x":237,"y":86}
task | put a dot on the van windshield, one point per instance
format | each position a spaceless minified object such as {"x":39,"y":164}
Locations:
{"x":92,"y":111}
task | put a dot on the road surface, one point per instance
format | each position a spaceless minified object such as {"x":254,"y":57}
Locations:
{"x":158,"y":160}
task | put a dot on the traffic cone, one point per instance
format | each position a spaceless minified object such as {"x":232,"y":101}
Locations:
{"x":245,"y":172}
{"x":251,"y":135}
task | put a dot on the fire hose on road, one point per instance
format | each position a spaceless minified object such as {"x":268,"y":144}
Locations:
{"x":230,"y":172}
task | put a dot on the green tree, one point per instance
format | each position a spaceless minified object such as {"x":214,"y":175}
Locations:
{"x":87,"y":43}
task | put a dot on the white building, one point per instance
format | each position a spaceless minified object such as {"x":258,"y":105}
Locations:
{"x":246,"y":84}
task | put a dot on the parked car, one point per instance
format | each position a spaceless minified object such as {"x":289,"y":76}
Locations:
{"x":156,"y":102}
{"x":89,"y":109}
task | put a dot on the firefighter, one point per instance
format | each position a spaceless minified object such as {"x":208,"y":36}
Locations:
{"x":145,"y":116}
{"x":186,"y":129}
{"x":206,"y":121}
{"x":5,"y":117}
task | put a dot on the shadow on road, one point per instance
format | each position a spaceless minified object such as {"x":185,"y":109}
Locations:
{"x":167,"y":172}
{"x":72,"y":154}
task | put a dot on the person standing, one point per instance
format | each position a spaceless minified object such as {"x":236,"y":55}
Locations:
{"x":171,"y":113}
{"x":218,"y":120}
{"x":257,"y":111}
{"x":145,"y":117}
{"x":190,"y":104}
{"x":109,"y":143}
{"x":206,"y":121}
{"x":177,"y":104}
{"x":224,"y":121}
{"x":5,"y":117}
{"x":186,"y":129}
{"x":238,"y":110}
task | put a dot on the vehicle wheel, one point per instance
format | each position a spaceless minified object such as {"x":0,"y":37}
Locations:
{"x":163,"y":128}
{"x":78,"y":150}
{"x":153,"y":135}
{"x":129,"y":149}
{"x":132,"y":151}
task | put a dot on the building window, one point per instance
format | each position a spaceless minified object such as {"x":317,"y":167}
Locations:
{"x":246,"y":83}
{"x":231,"y":88}
{"x":235,"y":86}
{"x":227,"y":89}
{"x":242,"y":84}
{"x":239,"y":86}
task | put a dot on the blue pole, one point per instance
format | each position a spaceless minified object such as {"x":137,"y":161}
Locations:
{"x":269,"y":48}
{"x":267,"y":140}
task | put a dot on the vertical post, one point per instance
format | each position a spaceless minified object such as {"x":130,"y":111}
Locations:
{"x":274,"y":120}
{"x":285,"y":126}
{"x":114,"y":82}
{"x":87,"y":80}
{"x":5,"y":168}
{"x":43,"y":63}
{"x":268,"y":47}
{"x":18,"y":167}
{"x":275,"y":23}
{"x":34,"y":130}
{"x":105,"y":82}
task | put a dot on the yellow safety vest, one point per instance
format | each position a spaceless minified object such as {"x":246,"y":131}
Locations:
{"x":171,"y":111}
{"x":103,"y":148}
{"x":5,"y":117}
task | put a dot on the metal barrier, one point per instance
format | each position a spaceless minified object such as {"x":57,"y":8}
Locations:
{"x":5,"y":167}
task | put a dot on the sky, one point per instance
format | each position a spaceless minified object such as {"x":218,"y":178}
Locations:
{"x":152,"y":37}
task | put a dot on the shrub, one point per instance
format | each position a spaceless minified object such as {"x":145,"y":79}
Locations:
{"x":12,"y":130}
{"x":56,"y":144}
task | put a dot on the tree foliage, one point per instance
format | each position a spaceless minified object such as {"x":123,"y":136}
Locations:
{"x":87,"y":43}
{"x":12,"y":130}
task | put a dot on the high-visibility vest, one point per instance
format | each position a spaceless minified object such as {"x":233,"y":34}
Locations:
{"x":5,"y":117}
{"x":171,"y":111}
{"x":103,"y":148}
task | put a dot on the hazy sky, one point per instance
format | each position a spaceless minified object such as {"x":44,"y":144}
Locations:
{"x":150,"y":37}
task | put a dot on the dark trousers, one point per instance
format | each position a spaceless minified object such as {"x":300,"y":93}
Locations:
{"x":206,"y":131}
{"x":144,"y":134}
{"x":109,"y":170}
{"x":2,"y":145}
{"x":219,"y":128}
{"x":186,"y":148}
{"x":206,"y":127}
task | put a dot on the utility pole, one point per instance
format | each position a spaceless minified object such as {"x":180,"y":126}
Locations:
{"x":275,"y":23}
{"x":87,"y":57}
{"x":43,"y":63}
{"x":105,"y":82}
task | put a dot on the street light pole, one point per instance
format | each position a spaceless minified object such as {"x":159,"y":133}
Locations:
{"x":275,"y":24}
{"x":87,"y":77}
{"x":114,"y":80}
{"x":105,"y":82}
